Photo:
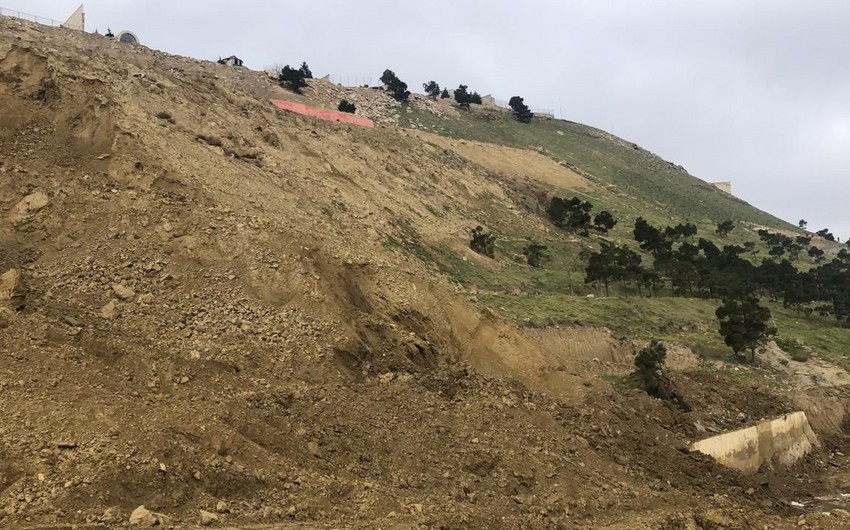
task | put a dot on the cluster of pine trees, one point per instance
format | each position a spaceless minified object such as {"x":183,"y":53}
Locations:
{"x":679,"y":263}
{"x":731,"y":273}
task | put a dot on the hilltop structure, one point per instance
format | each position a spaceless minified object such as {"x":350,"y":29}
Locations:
{"x":77,"y":20}
{"x":723,"y":186}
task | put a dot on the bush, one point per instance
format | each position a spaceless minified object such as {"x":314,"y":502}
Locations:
{"x":483,"y":242}
{"x":445,"y":94}
{"x":794,"y":348}
{"x":292,"y":78}
{"x":346,"y":106}
{"x":396,"y":87}
{"x":652,"y":374}
{"x":724,"y":227}
{"x":535,"y":253}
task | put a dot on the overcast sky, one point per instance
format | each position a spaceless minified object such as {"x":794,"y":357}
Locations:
{"x":756,"y":92}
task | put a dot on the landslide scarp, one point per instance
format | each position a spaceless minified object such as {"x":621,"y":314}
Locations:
{"x":241,"y":310}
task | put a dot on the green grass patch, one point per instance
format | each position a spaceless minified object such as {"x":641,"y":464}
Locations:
{"x":819,"y":335}
{"x":794,"y":348}
{"x":632,"y":181}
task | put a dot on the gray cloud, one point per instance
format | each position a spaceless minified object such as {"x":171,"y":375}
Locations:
{"x":753,"y":92}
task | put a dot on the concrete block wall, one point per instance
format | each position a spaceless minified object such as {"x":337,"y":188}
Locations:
{"x":788,"y":438}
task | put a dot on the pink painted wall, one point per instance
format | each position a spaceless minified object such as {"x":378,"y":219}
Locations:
{"x":330,"y":115}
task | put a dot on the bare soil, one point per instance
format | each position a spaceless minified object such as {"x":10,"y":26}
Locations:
{"x":217,"y":317}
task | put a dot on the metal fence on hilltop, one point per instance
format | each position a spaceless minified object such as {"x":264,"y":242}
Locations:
{"x":537,"y":110}
{"x":14,"y":13}
{"x":350,"y":81}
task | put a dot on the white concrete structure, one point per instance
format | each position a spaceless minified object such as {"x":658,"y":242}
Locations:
{"x":787,"y":439}
{"x":724,"y":186}
{"x":77,"y":20}
{"x":127,"y":37}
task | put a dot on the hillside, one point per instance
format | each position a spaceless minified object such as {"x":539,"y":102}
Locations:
{"x":278,"y":320}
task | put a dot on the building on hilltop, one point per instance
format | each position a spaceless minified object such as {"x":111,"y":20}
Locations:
{"x":77,"y":20}
{"x":723,"y":186}
{"x":231,"y":61}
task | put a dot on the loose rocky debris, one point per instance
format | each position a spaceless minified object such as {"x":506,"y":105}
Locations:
{"x":193,"y":331}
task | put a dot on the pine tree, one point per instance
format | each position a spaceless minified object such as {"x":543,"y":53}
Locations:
{"x":521,"y":111}
{"x":397,"y":87}
{"x":431,"y":88}
{"x":744,"y":324}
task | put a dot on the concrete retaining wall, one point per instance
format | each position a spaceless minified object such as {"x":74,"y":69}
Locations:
{"x":788,"y":438}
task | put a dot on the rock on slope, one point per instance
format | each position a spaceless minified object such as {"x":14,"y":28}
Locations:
{"x":217,"y":318}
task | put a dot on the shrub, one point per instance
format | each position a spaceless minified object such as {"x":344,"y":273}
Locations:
{"x":724,"y":227}
{"x":445,"y":94}
{"x":535,"y":253}
{"x":483,"y":242}
{"x":346,"y":106}
{"x":652,"y":374}
{"x":794,"y":348}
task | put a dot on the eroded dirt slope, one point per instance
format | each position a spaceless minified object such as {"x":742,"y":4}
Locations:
{"x":217,"y":315}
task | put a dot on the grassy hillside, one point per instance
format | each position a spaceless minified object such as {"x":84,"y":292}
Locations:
{"x":633,"y":181}
{"x":630,"y":182}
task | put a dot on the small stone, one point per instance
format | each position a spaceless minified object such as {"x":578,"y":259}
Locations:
{"x":221,"y":507}
{"x":28,"y":206}
{"x":314,"y":449}
{"x":197,"y":475}
{"x":184,"y":380}
{"x":12,"y":291}
{"x":109,"y":311}
{"x":123,"y":292}
{"x":208,"y":518}
{"x":7,"y":316}
{"x":141,"y":516}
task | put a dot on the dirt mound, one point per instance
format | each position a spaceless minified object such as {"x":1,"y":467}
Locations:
{"x":230,"y":308}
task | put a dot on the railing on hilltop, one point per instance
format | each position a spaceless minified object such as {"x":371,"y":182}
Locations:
{"x":537,"y":110}
{"x":350,"y":81}
{"x":14,"y":13}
